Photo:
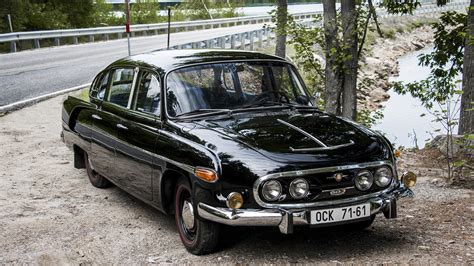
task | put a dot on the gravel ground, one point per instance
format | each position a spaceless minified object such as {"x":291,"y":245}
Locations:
{"x":50,"y":214}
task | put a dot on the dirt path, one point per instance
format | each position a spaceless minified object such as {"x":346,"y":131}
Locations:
{"x":49,"y":213}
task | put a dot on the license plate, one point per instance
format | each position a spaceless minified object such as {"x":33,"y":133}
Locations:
{"x":340,"y":214}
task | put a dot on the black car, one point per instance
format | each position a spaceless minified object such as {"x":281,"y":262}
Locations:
{"x":229,"y":137}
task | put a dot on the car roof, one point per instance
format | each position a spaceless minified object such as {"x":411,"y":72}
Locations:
{"x":165,"y":60}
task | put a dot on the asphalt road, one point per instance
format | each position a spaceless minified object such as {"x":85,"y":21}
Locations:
{"x":32,"y":73}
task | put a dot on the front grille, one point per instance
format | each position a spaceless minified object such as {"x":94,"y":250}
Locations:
{"x":323,"y":185}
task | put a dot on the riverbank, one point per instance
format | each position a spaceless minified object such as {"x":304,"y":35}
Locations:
{"x":381,"y":62}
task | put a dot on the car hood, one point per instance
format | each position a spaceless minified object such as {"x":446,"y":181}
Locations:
{"x":300,"y":136}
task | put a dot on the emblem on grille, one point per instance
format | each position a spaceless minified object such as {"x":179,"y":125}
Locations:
{"x":337,"y":192}
{"x":338,"y":177}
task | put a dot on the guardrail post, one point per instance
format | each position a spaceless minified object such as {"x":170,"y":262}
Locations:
{"x":57,"y":42}
{"x":260,"y":39}
{"x":232,"y":41}
{"x":91,"y":38}
{"x":222,"y":42}
{"x":208,"y":44}
{"x":119,"y":35}
{"x":75,"y":40}
{"x":13,"y":47}
{"x":251,"y":40}
{"x":36,"y":43}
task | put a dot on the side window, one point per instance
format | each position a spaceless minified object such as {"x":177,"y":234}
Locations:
{"x":148,"y":96}
{"x":100,"y":85}
{"x":121,"y":86}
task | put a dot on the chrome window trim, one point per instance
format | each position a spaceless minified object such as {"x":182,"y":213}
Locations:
{"x":300,"y":173}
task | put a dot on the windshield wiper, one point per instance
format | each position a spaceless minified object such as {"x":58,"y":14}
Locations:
{"x":204,"y":112}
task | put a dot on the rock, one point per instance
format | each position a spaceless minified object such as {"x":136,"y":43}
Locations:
{"x":423,"y":247}
{"x":417,"y":44}
{"x":451,"y":242}
{"x":460,"y":145}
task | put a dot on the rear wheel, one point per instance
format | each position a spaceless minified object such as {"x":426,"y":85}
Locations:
{"x":198,"y":236}
{"x":96,"y":179}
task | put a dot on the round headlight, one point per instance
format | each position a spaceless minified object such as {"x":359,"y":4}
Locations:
{"x":271,"y":190}
{"x":364,"y":180}
{"x":299,"y":188}
{"x":383,"y":176}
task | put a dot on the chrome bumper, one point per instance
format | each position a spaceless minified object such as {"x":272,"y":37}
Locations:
{"x":285,"y":219}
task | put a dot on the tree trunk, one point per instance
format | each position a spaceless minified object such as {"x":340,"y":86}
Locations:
{"x":282,"y":13}
{"x":332,"y":82}
{"x":350,"y":40}
{"x":466,"y":120}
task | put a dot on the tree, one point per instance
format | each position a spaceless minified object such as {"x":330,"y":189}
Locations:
{"x":281,"y":23}
{"x":349,"y":47}
{"x":332,"y":81}
{"x":466,"y":120}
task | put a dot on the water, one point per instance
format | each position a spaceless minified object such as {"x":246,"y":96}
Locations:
{"x":402,"y":120}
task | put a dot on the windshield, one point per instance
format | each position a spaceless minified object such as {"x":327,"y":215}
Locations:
{"x":230,"y":86}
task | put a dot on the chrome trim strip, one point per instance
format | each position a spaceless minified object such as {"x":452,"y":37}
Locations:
{"x":324,"y":148}
{"x":262,"y":179}
{"x":302,"y":132}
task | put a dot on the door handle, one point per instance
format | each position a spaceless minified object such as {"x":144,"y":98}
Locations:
{"x":120,"y":126}
{"x":96,"y":117}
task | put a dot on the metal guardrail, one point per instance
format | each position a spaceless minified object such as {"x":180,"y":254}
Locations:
{"x":36,"y":36}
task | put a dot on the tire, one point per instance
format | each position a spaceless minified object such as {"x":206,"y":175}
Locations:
{"x":95,"y":178}
{"x":199,"y":236}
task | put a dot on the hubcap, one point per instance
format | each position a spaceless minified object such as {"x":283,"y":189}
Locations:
{"x":188,"y":215}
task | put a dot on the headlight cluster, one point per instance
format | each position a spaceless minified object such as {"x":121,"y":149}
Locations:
{"x":272,"y":190}
{"x":382,"y":177}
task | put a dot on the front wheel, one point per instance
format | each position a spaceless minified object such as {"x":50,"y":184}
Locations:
{"x":198,"y":236}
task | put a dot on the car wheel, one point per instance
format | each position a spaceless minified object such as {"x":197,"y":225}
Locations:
{"x":198,"y":236}
{"x":96,"y":179}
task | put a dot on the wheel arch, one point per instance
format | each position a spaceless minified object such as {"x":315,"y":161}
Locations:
{"x":167,"y":187}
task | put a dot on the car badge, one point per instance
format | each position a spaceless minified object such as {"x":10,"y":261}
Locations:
{"x":337,"y":192}
{"x":338,"y":177}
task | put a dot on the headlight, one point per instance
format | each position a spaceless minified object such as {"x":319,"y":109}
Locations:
{"x":383,"y":176}
{"x":364,"y":180}
{"x":271,"y":190}
{"x":299,"y":188}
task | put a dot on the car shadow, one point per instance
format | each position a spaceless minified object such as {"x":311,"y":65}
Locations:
{"x":318,"y":243}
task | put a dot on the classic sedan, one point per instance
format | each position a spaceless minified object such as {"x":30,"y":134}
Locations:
{"x":222,"y":137}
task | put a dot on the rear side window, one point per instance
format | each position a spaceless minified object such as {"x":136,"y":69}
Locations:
{"x":148,"y":96}
{"x":121,"y":86}
{"x":100,"y":86}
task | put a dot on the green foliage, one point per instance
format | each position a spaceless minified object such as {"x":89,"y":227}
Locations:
{"x":401,"y":7}
{"x":369,"y":119}
{"x":103,"y":15}
{"x":18,"y":9}
{"x":204,"y":9}
{"x":445,"y":61}
{"x":145,"y":12}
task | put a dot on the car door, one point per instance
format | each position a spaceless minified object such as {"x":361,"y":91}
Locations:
{"x":137,"y":136}
{"x":112,"y":95}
